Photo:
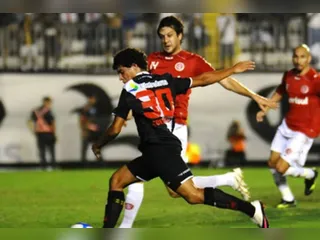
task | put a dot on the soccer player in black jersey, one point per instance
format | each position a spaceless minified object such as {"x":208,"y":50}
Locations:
{"x":151,"y":99}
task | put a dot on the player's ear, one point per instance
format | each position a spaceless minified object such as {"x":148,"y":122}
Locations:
{"x":180,"y":35}
{"x":309,"y":58}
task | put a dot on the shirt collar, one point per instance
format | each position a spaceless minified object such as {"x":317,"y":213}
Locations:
{"x":141,"y":73}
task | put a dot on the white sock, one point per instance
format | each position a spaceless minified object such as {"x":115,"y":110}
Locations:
{"x":307,"y":173}
{"x":214,"y":181}
{"x":132,"y":204}
{"x":283,"y":187}
{"x":286,"y":192}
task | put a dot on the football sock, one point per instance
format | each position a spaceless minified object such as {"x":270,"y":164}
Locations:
{"x":286,"y":193}
{"x":216,"y":197}
{"x":132,"y":204}
{"x":214,"y":181}
{"x":281,"y":182}
{"x":113,"y":208}
{"x":307,"y":173}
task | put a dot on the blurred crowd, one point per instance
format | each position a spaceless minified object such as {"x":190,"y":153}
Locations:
{"x":87,"y":41}
{"x":55,"y":36}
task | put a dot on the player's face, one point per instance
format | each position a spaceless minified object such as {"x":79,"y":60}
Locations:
{"x":126,"y":74}
{"x":301,"y":58}
{"x":48,"y":104}
{"x":171,"y":42}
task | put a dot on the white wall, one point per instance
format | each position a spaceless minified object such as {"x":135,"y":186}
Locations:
{"x":211,"y":111}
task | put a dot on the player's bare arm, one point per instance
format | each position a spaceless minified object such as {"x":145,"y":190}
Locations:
{"x":216,"y":76}
{"x":276,"y":97}
{"x":31,"y":126}
{"x":111,"y":133}
{"x":129,"y":117}
{"x":235,"y":86}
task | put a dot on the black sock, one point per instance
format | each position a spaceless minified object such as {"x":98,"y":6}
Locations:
{"x":113,"y":208}
{"x":216,"y":197}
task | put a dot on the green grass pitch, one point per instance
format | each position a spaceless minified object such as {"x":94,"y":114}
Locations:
{"x":58,"y":199}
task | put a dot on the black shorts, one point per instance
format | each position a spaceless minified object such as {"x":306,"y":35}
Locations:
{"x":161,"y":161}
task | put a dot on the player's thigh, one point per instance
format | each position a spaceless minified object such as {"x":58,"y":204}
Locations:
{"x":122,"y":178}
{"x":297,"y":149}
{"x":273,"y":159}
{"x":278,"y":145}
{"x":170,"y":167}
{"x":141,"y":168}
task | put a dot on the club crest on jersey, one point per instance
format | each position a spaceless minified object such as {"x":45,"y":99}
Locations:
{"x":179,"y":66}
{"x":304,"y":89}
{"x":129,"y":206}
{"x":288,"y":151}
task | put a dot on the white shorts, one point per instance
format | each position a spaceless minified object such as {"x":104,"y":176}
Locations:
{"x":292,"y":145}
{"x":181,"y":132}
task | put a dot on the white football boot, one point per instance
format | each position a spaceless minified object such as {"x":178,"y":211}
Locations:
{"x":259,"y":217}
{"x":240,"y":184}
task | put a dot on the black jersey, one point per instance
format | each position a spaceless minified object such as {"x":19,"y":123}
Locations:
{"x":151,"y":99}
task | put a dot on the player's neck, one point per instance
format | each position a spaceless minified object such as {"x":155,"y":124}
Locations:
{"x":304,"y":71}
{"x":177,"y":51}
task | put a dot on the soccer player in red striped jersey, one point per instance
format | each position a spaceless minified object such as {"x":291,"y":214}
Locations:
{"x":180,"y":63}
{"x":296,"y":133}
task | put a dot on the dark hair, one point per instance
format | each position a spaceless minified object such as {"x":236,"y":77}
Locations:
{"x":129,"y":56}
{"x":173,"y":22}
{"x":46,"y":99}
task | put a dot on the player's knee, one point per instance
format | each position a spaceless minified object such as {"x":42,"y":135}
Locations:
{"x":281,"y":169}
{"x":115,"y":182}
{"x":271,"y":164}
{"x":194,"y":198}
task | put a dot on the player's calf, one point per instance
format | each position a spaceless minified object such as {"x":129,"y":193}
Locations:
{"x":191,"y":194}
{"x":120,"y":179}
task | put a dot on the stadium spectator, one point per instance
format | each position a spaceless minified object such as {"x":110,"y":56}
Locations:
{"x":236,"y":156}
{"x":113,"y":38}
{"x":69,"y":18}
{"x":226,"y":24}
{"x":313,"y":28}
{"x":89,"y":125}
{"x":42,"y":124}
{"x":51,"y":39}
{"x":92,"y":20}
{"x":69,"y":32}
{"x":29,"y":51}
{"x":197,"y":37}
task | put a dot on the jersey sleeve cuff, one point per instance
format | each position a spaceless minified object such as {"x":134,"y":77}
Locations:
{"x":191,"y":81}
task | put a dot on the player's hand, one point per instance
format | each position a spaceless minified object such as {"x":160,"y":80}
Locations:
{"x":244,"y":66}
{"x":260,"y":115}
{"x":97,"y":151}
{"x":264,"y":103}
